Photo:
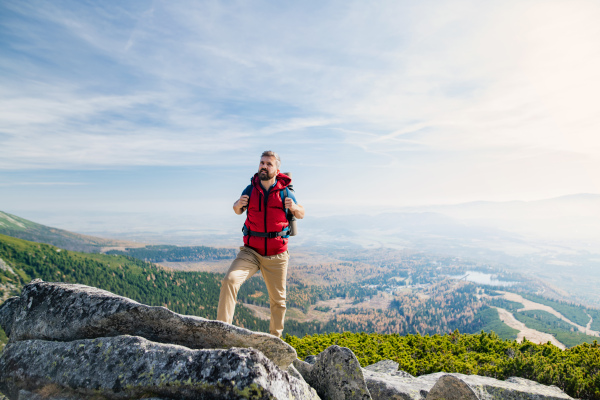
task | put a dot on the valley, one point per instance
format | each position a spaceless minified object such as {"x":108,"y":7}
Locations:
{"x":329,"y":290}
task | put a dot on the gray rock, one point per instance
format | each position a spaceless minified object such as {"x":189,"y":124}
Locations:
{"x":386,"y":386}
{"x":385,"y":366}
{"x":335,"y":375}
{"x":512,"y":388}
{"x":449,"y":387}
{"x":7,"y":311}
{"x":388,"y":367}
{"x":130,"y":367}
{"x":64,"y":312}
{"x":311,"y":359}
{"x":293,"y":372}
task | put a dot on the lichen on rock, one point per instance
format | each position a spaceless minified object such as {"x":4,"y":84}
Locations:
{"x":336,"y":375}
{"x":130,"y":367}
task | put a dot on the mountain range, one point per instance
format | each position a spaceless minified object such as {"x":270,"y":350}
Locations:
{"x":12,"y":225}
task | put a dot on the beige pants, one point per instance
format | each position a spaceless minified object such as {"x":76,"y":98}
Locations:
{"x":274,"y":272}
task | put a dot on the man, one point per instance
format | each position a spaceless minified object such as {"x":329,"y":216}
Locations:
{"x":265,"y":240}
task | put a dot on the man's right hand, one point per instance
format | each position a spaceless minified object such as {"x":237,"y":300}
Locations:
{"x":240,"y":205}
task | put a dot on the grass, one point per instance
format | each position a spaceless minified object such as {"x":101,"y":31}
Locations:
{"x":493,"y":323}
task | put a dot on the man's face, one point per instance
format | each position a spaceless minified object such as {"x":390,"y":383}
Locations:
{"x":267,"y":169}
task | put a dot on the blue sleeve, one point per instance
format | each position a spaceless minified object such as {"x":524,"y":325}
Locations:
{"x":291,"y":196}
{"x":247,"y":191}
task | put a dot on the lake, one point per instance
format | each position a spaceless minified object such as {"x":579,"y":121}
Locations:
{"x":483,"y":278}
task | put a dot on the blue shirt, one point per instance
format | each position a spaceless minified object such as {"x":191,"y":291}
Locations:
{"x":248,"y":190}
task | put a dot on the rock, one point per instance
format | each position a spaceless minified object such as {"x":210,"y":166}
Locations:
{"x":64,"y":312}
{"x":293,"y":372}
{"x":130,"y":367}
{"x":386,"y":386}
{"x":449,"y":387}
{"x":512,"y":388}
{"x":335,"y":375}
{"x":311,"y":359}
{"x":385,"y":366}
{"x":7,"y":311}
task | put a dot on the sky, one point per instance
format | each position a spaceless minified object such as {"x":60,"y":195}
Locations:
{"x":127,"y":115}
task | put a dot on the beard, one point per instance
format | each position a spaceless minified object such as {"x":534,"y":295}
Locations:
{"x":264,"y":175}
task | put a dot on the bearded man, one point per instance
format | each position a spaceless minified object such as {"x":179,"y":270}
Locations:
{"x":266,"y":235}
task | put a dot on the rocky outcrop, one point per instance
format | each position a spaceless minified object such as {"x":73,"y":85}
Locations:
{"x":129,"y":367}
{"x":335,"y":374}
{"x":331,"y":371}
{"x":71,"y":342}
{"x":388,"y":367}
{"x":65,"y":312}
{"x":77,"y":342}
{"x":442,"y":386}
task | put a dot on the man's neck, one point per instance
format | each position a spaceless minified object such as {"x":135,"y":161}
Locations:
{"x":267,"y":184}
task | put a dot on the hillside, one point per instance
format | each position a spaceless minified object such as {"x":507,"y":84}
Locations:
{"x":12,"y":225}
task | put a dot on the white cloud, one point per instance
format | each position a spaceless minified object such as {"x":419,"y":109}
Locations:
{"x":448,"y":90}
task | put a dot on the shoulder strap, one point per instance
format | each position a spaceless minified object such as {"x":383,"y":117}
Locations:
{"x":248,"y":191}
{"x":284,"y":193}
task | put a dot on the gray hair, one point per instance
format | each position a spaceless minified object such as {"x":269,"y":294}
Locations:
{"x":269,"y":153}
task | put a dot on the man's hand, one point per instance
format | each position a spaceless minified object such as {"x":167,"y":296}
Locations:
{"x":289,"y":204}
{"x":240,"y":205}
{"x":296,"y":209}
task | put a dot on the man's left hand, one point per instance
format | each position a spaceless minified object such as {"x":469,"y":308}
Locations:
{"x":290,"y":205}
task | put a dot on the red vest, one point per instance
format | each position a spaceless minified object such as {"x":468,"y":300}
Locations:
{"x":266,"y":214}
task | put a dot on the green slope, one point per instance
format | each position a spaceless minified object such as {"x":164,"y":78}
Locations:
{"x":12,"y":225}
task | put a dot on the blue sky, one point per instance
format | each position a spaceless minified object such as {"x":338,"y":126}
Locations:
{"x":114,"y":112}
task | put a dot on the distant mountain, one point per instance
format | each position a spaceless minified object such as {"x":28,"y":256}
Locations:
{"x":12,"y":225}
{"x":571,"y":220}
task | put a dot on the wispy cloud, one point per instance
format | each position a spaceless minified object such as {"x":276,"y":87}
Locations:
{"x":42,"y":184}
{"x":435,"y":88}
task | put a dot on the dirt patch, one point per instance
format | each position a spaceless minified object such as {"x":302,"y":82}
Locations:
{"x":220,"y":266}
{"x":524,"y":332}
{"x":259,"y":312}
{"x":530,"y":305}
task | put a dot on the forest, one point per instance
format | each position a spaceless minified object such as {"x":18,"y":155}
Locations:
{"x":162,"y":253}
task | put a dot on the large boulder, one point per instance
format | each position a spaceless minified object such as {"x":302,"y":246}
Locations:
{"x":335,"y":374}
{"x":65,"y":312}
{"x":383,"y":385}
{"x":441,"y":385}
{"x":388,"y":367}
{"x":512,"y":388}
{"x":449,"y":387}
{"x":130,"y":367}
